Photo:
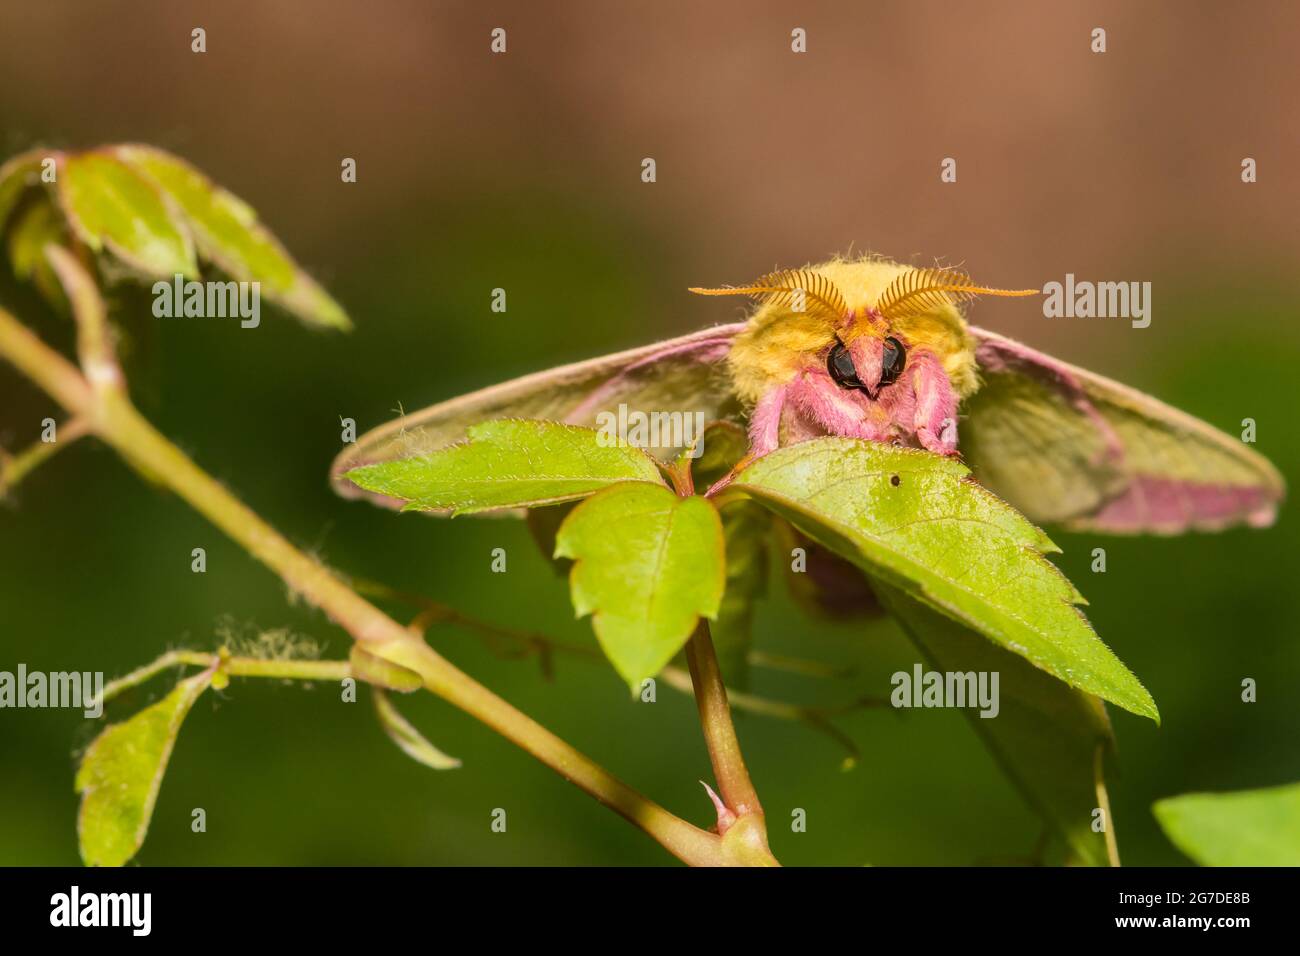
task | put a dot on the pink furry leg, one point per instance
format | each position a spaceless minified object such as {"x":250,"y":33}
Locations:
{"x":764,"y":435}
{"x":765,"y":423}
{"x":839,"y":411}
{"x":936,"y":405}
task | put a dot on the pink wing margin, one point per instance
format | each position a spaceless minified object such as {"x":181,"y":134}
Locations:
{"x":1070,"y":447}
{"x":686,"y":374}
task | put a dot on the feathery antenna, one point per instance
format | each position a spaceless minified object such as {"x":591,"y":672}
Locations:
{"x":923,"y":290}
{"x":820,"y":295}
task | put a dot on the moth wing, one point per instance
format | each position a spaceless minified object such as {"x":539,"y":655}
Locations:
{"x":686,"y":374}
{"x":1069,"y":447}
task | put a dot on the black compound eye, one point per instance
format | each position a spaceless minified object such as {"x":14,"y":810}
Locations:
{"x":892,"y":360}
{"x":840,"y":364}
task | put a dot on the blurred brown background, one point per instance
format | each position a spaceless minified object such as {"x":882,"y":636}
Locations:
{"x":523,"y":171}
{"x":1124,"y":164}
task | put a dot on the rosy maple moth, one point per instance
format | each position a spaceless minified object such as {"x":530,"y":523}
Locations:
{"x":872,"y":349}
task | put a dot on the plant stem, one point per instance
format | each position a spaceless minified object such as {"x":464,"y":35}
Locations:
{"x":719,"y":732}
{"x":1103,"y":801}
{"x":306,"y":670}
{"x":14,"y":468}
{"x":286,"y":670}
{"x":746,"y":831}
{"x":142,"y":674}
{"x":115,"y":420}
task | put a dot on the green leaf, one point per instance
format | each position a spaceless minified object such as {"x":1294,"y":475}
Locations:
{"x":915,"y":520}
{"x":508,"y":463}
{"x":228,"y":234}
{"x":413,"y":743}
{"x":1246,"y":828}
{"x":1045,"y":735}
{"x":37,"y":225}
{"x":647,"y":564}
{"x":121,"y":772}
{"x":16,"y":175}
{"x":111,"y":207}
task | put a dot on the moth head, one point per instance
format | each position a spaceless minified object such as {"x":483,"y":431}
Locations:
{"x":859,"y":321}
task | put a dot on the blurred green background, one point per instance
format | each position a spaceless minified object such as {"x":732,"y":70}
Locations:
{"x":522,"y":171}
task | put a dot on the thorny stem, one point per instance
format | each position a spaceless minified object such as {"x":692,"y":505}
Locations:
{"x":719,"y":732}
{"x":737,"y":790}
{"x":740,"y":815}
{"x":111,"y":416}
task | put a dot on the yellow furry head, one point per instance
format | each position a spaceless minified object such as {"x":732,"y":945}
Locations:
{"x":804,"y":311}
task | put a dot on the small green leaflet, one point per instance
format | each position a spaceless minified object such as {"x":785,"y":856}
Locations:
{"x":16,"y":175}
{"x":508,"y":463}
{"x":1246,"y":828}
{"x":915,"y":520}
{"x":227,"y":234}
{"x":110,"y":206}
{"x":121,"y":772}
{"x":647,"y":565}
{"x":36,"y":226}
{"x":156,"y":216}
{"x":403,"y":733}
